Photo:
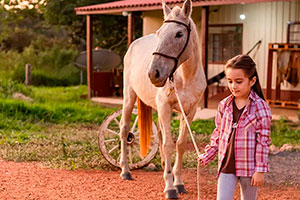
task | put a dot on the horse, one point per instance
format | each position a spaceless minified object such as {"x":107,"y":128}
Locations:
{"x":152,"y":64}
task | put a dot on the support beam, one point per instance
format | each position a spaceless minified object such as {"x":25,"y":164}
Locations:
{"x":269,"y":74}
{"x":89,"y":51}
{"x":277,"y":91}
{"x":130,"y":28}
{"x":204,"y":36}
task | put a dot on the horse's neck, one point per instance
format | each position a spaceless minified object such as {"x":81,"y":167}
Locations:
{"x":191,"y":68}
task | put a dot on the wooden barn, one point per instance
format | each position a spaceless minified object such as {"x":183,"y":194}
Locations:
{"x":269,"y":30}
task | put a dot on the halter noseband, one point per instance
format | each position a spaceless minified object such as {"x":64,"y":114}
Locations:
{"x":188,"y":27}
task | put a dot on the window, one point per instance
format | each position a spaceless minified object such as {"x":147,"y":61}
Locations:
{"x":293,"y":35}
{"x":224,"y":42}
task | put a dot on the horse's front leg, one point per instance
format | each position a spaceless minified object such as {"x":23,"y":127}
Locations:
{"x":180,"y":148}
{"x":167,"y":147}
{"x":161,"y":151}
{"x":129,"y":100}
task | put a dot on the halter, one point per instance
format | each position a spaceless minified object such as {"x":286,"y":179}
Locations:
{"x":188,"y":27}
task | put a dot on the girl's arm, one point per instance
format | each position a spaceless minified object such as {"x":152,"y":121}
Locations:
{"x":211,"y":149}
{"x":263,"y":139}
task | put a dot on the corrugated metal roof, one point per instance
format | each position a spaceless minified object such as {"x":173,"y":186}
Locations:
{"x":124,"y":4}
{"x":142,"y":5}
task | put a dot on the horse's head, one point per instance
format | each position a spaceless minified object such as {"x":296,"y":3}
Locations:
{"x":173,"y":41}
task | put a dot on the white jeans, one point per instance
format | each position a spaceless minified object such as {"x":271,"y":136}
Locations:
{"x":227,"y":184}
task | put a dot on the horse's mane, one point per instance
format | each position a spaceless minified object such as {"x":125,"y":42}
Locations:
{"x":195,"y":40}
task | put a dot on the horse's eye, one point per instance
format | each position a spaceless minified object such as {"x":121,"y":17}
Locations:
{"x":178,"y":34}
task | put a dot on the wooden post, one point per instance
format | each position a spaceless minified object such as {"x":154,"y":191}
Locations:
{"x":130,"y":28}
{"x":269,"y":75}
{"x":81,"y":77}
{"x":89,"y":50}
{"x":204,"y":35}
{"x":27,"y":74}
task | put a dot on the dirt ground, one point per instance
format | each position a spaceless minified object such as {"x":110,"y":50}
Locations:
{"x":32,"y":181}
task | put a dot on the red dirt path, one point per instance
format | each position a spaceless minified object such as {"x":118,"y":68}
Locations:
{"x":32,"y":181}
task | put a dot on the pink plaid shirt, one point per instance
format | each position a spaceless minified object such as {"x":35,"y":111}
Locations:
{"x":252,"y":137}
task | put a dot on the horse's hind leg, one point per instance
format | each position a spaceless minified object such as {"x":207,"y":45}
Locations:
{"x":180,"y":148}
{"x":128,"y":103}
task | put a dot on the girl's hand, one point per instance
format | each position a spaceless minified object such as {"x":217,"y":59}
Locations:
{"x":257,"y":179}
{"x":200,"y":159}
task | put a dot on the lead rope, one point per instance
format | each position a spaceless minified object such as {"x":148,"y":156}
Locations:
{"x":191,"y":134}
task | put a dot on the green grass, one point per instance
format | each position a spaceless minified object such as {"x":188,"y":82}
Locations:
{"x":198,"y":126}
{"x":59,"y":128}
{"x":284,"y":132}
{"x":54,"y":105}
{"x":8,"y":87}
{"x":57,"y":146}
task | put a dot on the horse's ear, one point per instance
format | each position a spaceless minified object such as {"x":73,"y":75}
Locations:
{"x":187,"y":8}
{"x":166,"y":9}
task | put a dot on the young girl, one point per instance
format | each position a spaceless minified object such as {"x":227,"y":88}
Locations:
{"x":242,"y":134}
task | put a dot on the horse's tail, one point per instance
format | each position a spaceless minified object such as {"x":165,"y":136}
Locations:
{"x":145,"y":126}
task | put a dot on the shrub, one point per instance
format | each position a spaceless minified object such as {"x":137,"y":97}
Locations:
{"x":51,"y":66}
{"x":42,"y":78}
{"x":17,"y":39}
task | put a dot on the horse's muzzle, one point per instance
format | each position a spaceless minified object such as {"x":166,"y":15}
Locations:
{"x":156,"y":79}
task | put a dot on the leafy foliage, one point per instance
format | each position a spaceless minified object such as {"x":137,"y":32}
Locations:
{"x":56,"y":21}
{"x":21,"y":25}
{"x":49,"y":35}
{"x":51,"y":66}
{"x":109,"y":30}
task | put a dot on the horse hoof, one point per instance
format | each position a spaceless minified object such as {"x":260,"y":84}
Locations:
{"x":180,"y":189}
{"x":127,"y":176}
{"x":171,"y":194}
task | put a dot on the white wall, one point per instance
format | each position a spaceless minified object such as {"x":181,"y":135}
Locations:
{"x":264,"y":21}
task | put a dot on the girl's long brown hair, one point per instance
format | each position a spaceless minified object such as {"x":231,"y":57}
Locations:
{"x":246,"y":63}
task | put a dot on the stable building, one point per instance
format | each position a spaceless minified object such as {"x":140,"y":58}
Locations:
{"x":263,"y":28}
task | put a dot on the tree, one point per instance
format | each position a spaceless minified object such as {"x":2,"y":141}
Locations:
{"x":22,"y":22}
{"x":108,"y":30}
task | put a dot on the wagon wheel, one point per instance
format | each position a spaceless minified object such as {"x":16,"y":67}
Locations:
{"x":110,"y":144}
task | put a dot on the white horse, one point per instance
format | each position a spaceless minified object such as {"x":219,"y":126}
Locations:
{"x":170,"y":54}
